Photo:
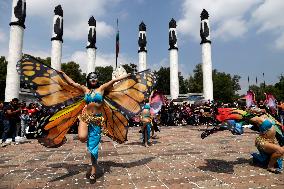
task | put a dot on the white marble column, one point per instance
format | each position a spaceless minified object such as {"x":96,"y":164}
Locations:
{"x":91,"y":64}
{"x":142,"y":61}
{"x":206,"y":56}
{"x":174,"y":80}
{"x":142,"y":51}
{"x":91,"y":46}
{"x":173,"y":53}
{"x":56,"y":40}
{"x":15,"y":49}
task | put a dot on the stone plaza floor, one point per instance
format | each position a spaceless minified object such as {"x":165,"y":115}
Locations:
{"x":178,"y":159}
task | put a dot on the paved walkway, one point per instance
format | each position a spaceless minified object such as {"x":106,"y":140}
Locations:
{"x":178,"y":159}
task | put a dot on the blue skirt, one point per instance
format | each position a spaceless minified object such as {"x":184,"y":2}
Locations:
{"x":148,"y":127}
{"x":94,"y":138}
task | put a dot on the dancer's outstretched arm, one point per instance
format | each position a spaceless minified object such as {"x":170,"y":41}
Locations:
{"x":73,"y":83}
{"x":110,"y":83}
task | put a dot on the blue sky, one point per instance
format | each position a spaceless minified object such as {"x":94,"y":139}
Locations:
{"x":247,"y":35}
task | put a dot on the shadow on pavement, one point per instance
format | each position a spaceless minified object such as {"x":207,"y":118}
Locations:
{"x":73,"y":169}
{"x":103,"y":166}
{"x":135,"y":143}
{"x":222,"y":166}
{"x":138,"y":143}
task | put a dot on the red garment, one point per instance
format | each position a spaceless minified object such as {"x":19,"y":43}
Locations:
{"x":32,"y":111}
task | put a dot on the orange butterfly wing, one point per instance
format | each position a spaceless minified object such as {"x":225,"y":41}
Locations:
{"x":115,"y":125}
{"x":52,"y":134}
{"x":129,"y":95}
{"x":125,"y":100}
{"x":62,"y":103}
{"x":49,"y":86}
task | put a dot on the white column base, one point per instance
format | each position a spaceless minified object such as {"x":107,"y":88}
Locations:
{"x":207,"y":71}
{"x":56,"y":54}
{"x":15,"y":54}
{"x":174,"y":80}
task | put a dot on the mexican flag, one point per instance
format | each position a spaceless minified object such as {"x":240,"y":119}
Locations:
{"x":117,"y":43}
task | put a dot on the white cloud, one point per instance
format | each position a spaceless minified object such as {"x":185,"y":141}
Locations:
{"x":269,"y":15}
{"x":229,"y":29}
{"x":76,"y":15}
{"x":232,"y":19}
{"x":227,"y":18}
{"x":269,"y":18}
{"x":102,"y":59}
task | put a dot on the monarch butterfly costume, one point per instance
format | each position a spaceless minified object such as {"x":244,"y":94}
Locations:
{"x":235,"y":119}
{"x":63,"y":103}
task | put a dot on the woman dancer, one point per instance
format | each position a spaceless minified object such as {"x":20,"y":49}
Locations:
{"x":91,"y":119}
{"x":109,"y":105}
{"x":266,"y":142}
{"x":146,"y":124}
{"x":269,"y":130}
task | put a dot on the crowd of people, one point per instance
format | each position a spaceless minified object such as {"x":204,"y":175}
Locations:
{"x":203,"y":113}
{"x":17,"y":119}
{"x":186,"y":114}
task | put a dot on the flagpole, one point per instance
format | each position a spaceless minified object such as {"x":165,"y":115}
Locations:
{"x":263,"y":80}
{"x":116,"y":43}
{"x":248,"y":83}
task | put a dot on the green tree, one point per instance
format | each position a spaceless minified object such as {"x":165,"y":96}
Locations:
{"x":130,"y":68}
{"x":225,"y":86}
{"x":195,"y":82}
{"x":183,"y":88}
{"x":3,"y":73}
{"x":73,"y":70}
{"x":104,"y":73}
{"x":163,"y":80}
{"x":261,"y":89}
{"x":280,"y":87}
